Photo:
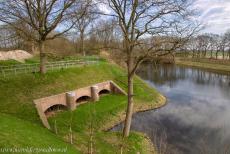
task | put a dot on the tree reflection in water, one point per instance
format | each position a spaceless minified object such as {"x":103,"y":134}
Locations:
{"x":196,"y":118}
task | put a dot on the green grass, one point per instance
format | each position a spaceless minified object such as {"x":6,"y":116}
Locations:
{"x":14,"y":62}
{"x":93,"y":57}
{"x":36,"y":59}
{"x":211,"y":65}
{"x":17,"y":133}
{"x":100,"y":112}
{"x":17,"y":95}
{"x":95,"y":115}
{"x":8,"y":62}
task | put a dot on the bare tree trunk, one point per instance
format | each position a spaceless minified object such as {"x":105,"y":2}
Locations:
{"x":42,"y":57}
{"x":223,"y":55}
{"x":205,"y":53}
{"x":199,"y":54}
{"x":33,"y":47}
{"x":217,"y":54}
{"x":129,"y":111}
{"x":229,"y":54}
{"x":82,"y":43}
{"x":193,"y":53}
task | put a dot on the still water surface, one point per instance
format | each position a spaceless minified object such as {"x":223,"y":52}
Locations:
{"x":197,"y":116}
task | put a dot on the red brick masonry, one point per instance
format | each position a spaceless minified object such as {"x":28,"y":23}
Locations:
{"x":69,"y":99}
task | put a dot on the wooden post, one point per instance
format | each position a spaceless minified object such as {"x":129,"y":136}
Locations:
{"x":55,"y":126}
{"x":70,"y":135}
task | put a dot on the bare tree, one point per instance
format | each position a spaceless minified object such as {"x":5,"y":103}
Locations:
{"x":213,"y":45}
{"x":105,"y":31}
{"x":9,"y":38}
{"x":227,"y":38}
{"x":204,"y":42}
{"x":84,"y":15}
{"x":141,"y":22}
{"x":219,"y":45}
{"x":41,"y":16}
{"x":191,"y":46}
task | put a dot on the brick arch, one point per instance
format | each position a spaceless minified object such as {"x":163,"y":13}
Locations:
{"x":104,"y":87}
{"x":83,"y":98}
{"x":54,"y":104}
{"x":104,"y":91}
{"x":69,"y":99}
{"x":55,"y":108}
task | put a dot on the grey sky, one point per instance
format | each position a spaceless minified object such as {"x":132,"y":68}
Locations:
{"x":215,"y":15}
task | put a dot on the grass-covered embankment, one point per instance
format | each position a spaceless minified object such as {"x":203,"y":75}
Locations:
{"x":36,"y":59}
{"x":215,"y":66}
{"x":17,"y":96}
{"x":22,"y":137}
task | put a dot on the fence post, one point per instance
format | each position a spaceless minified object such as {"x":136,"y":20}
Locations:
{"x":97,"y":61}
{"x":30,"y":68}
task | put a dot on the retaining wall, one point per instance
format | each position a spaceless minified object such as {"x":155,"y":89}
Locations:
{"x":69,"y":99}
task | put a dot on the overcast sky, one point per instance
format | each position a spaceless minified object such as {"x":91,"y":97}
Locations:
{"x":215,"y":14}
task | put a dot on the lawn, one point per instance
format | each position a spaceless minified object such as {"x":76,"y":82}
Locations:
{"x":17,"y":95}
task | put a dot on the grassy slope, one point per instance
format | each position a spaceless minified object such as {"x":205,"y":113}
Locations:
{"x":19,"y":133}
{"x":18,"y":93}
{"x":36,"y":59}
{"x":95,"y":115}
{"x":224,"y":68}
{"x":8,"y":62}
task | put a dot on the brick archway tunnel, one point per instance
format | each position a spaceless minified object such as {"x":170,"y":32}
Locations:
{"x":70,"y":100}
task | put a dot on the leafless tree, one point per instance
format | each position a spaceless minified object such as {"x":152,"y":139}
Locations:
{"x":9,"y":38}
{"x":213,"y":46}
{"x":145,"y":26}
{"x":192,"y":46}
{"x":219,"y":45}
{"x":84,"y":14}
{"x":227,"y":38}
{"x":106,"y":32}
{"x":204,"y":44}
{"x":41,"y":16}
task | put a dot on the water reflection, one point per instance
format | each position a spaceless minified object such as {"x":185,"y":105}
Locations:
{"x":196,"y":119}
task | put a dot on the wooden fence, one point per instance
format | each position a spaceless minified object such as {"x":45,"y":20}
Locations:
{"x":11,"y":70}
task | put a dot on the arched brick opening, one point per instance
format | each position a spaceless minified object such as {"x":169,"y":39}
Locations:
{"x":104,"y":92}
{"x":55,"y":108}
{"x":83,"y":99}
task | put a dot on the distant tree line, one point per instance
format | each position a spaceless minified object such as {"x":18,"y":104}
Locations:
{"x":208,"y":45}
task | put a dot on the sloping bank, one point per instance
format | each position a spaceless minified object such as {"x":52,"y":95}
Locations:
{"x":205,"y":64}
{"x":109,"y":111}
{"x":89,"y":120}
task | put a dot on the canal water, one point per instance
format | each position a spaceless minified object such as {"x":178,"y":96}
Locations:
{"x":196,"y":119}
